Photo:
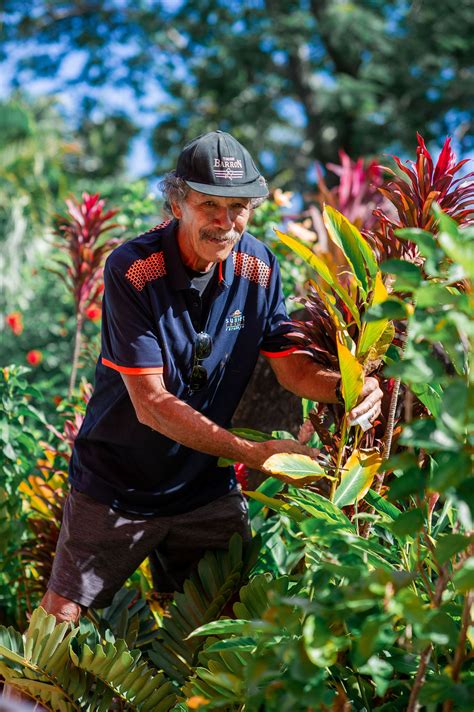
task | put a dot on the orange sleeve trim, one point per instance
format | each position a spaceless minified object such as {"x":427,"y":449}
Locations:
{"x":133,"y":371}
{"x":279,"y":354}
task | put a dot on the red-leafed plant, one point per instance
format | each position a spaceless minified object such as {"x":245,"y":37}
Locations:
{"x":82,"y":240}
{"x":413,"y":195}
{"x":356,"y":195}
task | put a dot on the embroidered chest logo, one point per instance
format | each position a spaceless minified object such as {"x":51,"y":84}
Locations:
{"x":235,"y":321}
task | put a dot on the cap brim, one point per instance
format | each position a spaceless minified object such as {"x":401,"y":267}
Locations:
{"x":249,"y":190}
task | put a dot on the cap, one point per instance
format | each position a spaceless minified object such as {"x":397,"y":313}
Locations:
{"x":215,"y":163}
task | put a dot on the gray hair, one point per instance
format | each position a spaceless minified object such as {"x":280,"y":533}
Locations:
{"x":176,"y":190}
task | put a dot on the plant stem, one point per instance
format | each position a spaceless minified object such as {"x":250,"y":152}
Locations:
{"x":460,"y":653}
{"x":391,"y":420}
{"x":342,"y":445}
{"x":426,"y":654}
{"x":419,"y":679}
{"x":76,"y":354}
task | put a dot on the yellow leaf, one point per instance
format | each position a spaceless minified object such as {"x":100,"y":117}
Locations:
{"x":322,"y":269}
{"x":357,"y":476}
{"x":373,"y":330}
{"x":294,"y":468}
{"x":358,"y":252}
{"x":352,"y":375}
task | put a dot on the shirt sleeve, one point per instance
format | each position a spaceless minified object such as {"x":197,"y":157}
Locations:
{"x":274,"y":343}
{"x":129,"y":331}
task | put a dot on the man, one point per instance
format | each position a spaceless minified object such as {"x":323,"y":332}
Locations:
{"x":188,"y":306}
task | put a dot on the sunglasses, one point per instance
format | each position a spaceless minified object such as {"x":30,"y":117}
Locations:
{"x":202,"y":350}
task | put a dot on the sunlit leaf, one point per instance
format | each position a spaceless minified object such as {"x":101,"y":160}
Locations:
{"x":276,"y":504}
{"x":322,"y":269}
{"x":373,"y":330}
{"x":299,"y":469}
{"x":357,"y":476}
{"x":357,"y":251}
{"x":352,"y":375}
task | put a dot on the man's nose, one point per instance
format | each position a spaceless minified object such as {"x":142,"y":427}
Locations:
{"x":225,"y":218}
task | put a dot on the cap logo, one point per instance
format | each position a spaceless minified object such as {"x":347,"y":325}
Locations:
{"x":225,"y":167}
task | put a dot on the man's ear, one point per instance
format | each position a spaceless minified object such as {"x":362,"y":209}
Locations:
{"x":176,"y":210}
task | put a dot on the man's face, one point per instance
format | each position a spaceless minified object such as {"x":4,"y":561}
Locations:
{"x":209,"y":227}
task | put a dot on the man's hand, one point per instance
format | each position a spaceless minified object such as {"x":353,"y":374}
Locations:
{"x":263,"y":450}
{"x":369,"y":405}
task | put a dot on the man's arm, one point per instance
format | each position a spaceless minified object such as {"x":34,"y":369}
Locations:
{"x":162,"y":411}
{"x":301,"y":375}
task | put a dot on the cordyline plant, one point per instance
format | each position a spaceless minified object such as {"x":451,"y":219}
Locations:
{"x":82,"y":241}
{"x":357,"y":194}
{"x":413,"y":194}
{"x":336,"y":336}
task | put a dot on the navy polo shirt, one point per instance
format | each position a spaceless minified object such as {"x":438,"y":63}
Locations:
{"x":147,"y":328}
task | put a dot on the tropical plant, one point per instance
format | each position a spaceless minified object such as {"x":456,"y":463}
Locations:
{"x":18,"y":446}
{"x":89,"y":667}
{"x":82,"y":241}
{"x":412,"y":196}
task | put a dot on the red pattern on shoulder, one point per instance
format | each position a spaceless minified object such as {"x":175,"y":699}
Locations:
{"x":163,"y":224}
{"x":142,"y":271}
{"x":252,"y":268}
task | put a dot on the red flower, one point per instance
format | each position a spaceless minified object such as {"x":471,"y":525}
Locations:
{"x":241,"y":473}
{"x":15,"y":322}
{"x":93,"y":313}
{"x":34,"y":357}
{"x":57,"y":400}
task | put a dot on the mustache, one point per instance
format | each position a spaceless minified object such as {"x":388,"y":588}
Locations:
{"x":219,"y":235}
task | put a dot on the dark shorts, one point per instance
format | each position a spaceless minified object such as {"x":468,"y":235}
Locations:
{"x":99,"y":548}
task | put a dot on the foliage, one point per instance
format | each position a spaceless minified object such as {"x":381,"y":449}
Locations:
{"x":82,"y":241}
{"x":71,"y":669}
{"x":265,"y":219}
{"x":19,"y":445}
{"x":33,"y":149}
{"x":413,"y":194}
{"x":281,"y":75}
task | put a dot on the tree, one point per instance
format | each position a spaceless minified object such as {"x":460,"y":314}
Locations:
{"x":294,"y":80}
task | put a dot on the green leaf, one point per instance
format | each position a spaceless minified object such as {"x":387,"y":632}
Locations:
{"x":222,"y":627}
{"x":237,"y":643}
{"x":357,"y":251}
{"x":323,"y":270}
{"x":381,"y":505}
{"x":464,"y":578}
{"x":352,"y":375}
{"x":277,"y":504}
{"x":357,"y":476}
{"x":320,"y":508}
{"x":320,"y":644}
{"x":373,"y":330}
{"x":440,"y":629}
{"x":449,"y":545}
{"x":269,"y":487}
{"x":392,"y":308}
{"x":425,"y":434}
{"x":457,"y":408}
{"x":408,"y":274}
{"x":408,"y":523}
{"x":459,"y":250}
{"x":301,"y":469}
{"x":430,"y":395}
